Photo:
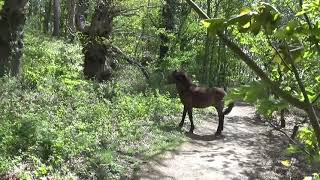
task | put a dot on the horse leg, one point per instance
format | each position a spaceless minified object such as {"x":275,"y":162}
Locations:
{"x":221,"y":119}
{"x":183,"y":116}
{"x":191,"y":120}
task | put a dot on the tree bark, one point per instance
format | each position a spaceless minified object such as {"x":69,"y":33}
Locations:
{"x":57,"y":17}
{"x":12,"y":20}
{"x":81,"y":9}
{"x":168,"y":25}
{"x":71,"y":19}
{"x":99,"y":60}
{"x":47,"y":15}
{"x":207,"y":51}
{"x":100,"y":56}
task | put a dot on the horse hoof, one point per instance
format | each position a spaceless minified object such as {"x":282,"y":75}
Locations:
{"x":191,"y":130}
{"x":217,"y":134}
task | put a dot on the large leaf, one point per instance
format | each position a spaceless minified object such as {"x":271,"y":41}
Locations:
{"x":286,"y":163}
{"x":256,"y":91}
{"x":291,"y":31}
{"x":214,"y":25}
{"x":270,"y":105}
{"x":242,"y":18}
{"x":269,"y":17}
{"x":249,"y":93}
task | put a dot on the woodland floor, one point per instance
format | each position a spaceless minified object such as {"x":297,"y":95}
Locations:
{"x":248,"y":149}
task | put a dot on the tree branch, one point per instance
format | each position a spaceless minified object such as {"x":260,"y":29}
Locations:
{"x":131,"y":61}
{"x":316,"y":99}
{"x":310,"y":26}
{"x":282,"y":60}
{"x":250,"y":62}
{"x":290,"y":139}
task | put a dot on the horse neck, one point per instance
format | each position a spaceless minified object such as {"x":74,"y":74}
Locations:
{"x":183,"y":87}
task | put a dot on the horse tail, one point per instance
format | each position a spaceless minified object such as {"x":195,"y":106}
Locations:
{"x":229,"y":108}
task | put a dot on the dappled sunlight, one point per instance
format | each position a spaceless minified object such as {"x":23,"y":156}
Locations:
{"x":240,"y":153}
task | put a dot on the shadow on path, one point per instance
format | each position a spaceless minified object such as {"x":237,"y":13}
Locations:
{"x":246,"y":150}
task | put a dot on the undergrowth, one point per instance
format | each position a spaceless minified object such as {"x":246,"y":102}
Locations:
{"x":53,"y":123}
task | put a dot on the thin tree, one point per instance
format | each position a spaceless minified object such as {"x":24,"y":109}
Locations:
{"x":71,"y":27}
{"x":57,"y":17}
{"x":47,"y":15}
{"x":168,"y":25}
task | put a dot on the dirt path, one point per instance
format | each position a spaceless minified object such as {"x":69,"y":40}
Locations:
{"x":247,"y":150}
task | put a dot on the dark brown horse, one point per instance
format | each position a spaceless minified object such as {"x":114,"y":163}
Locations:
{"x":193,"y":96}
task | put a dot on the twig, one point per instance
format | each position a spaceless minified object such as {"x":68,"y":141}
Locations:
{"x":282,"y":60}
{"x":310,"y":25}
{"x":290,"y":139}
{"x":316,"y":99}
{"x":131,"y":61}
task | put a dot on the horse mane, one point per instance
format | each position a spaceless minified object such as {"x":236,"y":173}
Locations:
{"x":183,"y":78}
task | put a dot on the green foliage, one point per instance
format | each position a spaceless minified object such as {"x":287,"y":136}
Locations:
{"x":307,"y":138}
{"x":54,"y":123}
{"x":265,"y":15}
{"x":47,"y":59}
{"x":1,"y":4}
{"x":255,"y":93}
{"x":289,"y":47}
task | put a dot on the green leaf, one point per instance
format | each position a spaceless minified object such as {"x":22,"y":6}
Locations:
{"x":292,"y":149}
{"x":255,"y":27}
{"x":301,"y":13}
{"x":241,"y":19}
{"x":214,"y":25}
{"x":286,"y":163}
{"x":297,"y":54}
{"x":270,"y":7}
{"x":255,"y":91}
{"x":205,"y":23}
{"x":1,"y":4}
{"x":268,"y":106}
{"x":247,"y":25}
{"x":245,"y":11}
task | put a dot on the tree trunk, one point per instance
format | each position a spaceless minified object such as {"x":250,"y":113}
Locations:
{"x":207,"y":52}
{"x":168,"y":25}
{"x":99,"y":58}
{"x":57,"y":18}
{"x":47,"y":15}
{"x":12,"y":20}
{"x":71,"y":19}
{"x":81,"y":9}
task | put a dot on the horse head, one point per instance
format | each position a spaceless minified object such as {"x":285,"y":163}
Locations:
{"x":179,"y":77}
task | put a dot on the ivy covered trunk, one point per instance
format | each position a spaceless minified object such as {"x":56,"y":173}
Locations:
{"x":12,"y":20}
{"x":99,"y":60}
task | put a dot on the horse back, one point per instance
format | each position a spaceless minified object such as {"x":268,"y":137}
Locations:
{"x":201,"y":97}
